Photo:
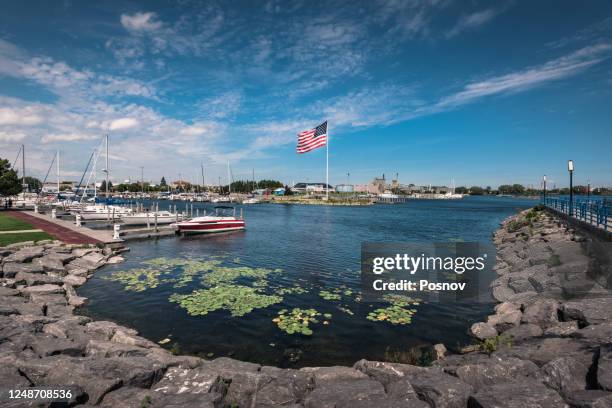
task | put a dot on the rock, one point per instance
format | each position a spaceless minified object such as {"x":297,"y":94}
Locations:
{"x":440,"y":390}
{"x":541,"y":351}
{"x":600,"y":333}
{"x":590,"y":399}
{"x":562,"y":329}
{"x":11,"y":378}
{"x":496,"y":370}
{"x":46,"y":345}
{"x":604,"y":367}
{"x":589,"y":310}
{"x":483,"y":331}
{"x":25,"y":254}
{"x":502,"y":293}
{"x":335,"y":373}
{"x":505,"y":321}
{"x":566,"y":374}
{"x":386,"y":373}
{"x":32,"y":279}
{"x":516,"y":395}
{"x":80,"y":272}
{"x":51,"y":264}
{"x":440,"y":351}
{"x":46,"y":289}
{"x":127,"y":337}
{"x":506,"y":307}
{"x":107,"y":329}
{"x":11,"y":269}
{"x":74,"y":280}
{"x":115,"y":260}
{"x":524,"y":331}
{"x":73,"y":298}
{"x":520,"y":285}
{"x":4,"y":291}
{"x":194,"y":381}
{"x":343,"y":393}
{"x":105,"y":349}
{"x":543,"y":312}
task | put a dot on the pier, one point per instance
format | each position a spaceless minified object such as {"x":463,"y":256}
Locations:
{"x":590,"y":212}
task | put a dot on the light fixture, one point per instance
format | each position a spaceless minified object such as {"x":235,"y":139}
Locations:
{"x":570,"y":165}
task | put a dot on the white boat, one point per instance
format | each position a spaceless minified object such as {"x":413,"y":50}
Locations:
{"x":251,"y":200}
{"x":388,"y":195}
{"x":103,"y":212}
{"x":221,"y":199}
{"x":149,"y":218}
{"x":221,"y":221}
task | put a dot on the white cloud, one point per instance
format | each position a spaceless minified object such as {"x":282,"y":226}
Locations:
{"x":141,"y":21}
{"x":473,"y":20}
{"x":11,"y":136}
{"x":25,"y":117}
{"x":123,"y":123}
{"x":68,"y":137}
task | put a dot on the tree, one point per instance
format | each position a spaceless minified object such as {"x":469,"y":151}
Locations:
{"x":475,"y":190}
{"x":461,"y":190}
{"x":9,"y":182}
{"x":103,"y":186}
{"x":33,"y":183}
{"x":163,"y":183}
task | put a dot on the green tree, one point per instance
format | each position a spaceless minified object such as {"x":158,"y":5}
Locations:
{"x":163,"y":183}
{"x":475,"y":190}
{"x":33,"y":183}
{"x":9,"y":182}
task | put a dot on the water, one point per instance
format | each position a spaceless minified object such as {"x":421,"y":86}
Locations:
{"x":317,"y":247}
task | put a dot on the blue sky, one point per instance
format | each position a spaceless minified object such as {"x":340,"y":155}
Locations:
{"x":486,"y":93}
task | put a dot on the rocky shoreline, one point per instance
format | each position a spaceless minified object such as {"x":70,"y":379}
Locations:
{"x":549,"y":343}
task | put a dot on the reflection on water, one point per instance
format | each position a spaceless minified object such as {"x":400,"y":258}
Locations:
{"x":291,"y":257}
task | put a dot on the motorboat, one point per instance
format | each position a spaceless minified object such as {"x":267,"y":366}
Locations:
{"x":221,"y":199}
{"x":224,"y":219}
{"x":103,"y":212}
{"x":251,"y":200}
{"x":148,"y":218}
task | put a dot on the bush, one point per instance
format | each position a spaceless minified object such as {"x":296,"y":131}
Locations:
{"x":492,"y":344}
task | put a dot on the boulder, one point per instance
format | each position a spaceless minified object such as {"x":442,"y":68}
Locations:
{"x":73,"y":298}
{"x":505,"y":321}
{"x":604,"y":367}
{"x":11,"y":269}
{"x":115,"y":260}
{"x":45,"y":345}
{"x":440,"y":390}
{"x":4,"y":291}
{"x":543,"y":350}
{"x":566,"y":374}
{"x":496,"y":370}
{"x":523,"y":331}
{"x":562,"y":329}
{"x":105,"y":349}
{"x":106,"y":329}
{"x":543,"y":312}
{"x":131,"y":339}
{"x":599,"y":333}
{"x":516,"y":395}
{"x":26,"y":254}
{"x":483,"y":331}
{"x":590,"y":399}
{"x":32,"y":279}
{"x":51,"y":264}
{"x":589,"y":310}
{"x":343,"y":393}
{"x":386,"y":373}
{"x":46,"y":289}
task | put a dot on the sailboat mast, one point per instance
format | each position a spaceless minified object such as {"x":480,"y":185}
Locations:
{"x":253,"y":179}
{"x":203,"y":181}
{"x":23,"y":182}
{"x":58,"y":172}
{"x":229,"y":179}
{"x":107,"y":189}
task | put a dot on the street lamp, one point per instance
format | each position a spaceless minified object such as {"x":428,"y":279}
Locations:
{"x":570,"y":168}
{"x":544,"y":180}
{"x":589,"y":189}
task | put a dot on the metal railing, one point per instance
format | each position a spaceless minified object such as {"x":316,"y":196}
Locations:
{"x":596,"y":212}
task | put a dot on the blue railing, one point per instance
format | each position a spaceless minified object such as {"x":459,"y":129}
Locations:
{"x":594,"y":211}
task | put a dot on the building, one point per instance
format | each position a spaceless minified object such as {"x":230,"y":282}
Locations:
{"x":279,"y":191}
{"x":310,"y":188}
{"x":345,"y":188}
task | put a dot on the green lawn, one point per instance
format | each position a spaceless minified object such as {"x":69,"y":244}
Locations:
{"x":8,"y":223}
{"x":7,"y":239}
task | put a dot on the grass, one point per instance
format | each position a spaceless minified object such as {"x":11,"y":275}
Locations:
{"x":8,"y":223}
{"x":7,"y":239}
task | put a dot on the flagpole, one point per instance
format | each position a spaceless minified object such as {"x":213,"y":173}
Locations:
{"x":327,"y":165}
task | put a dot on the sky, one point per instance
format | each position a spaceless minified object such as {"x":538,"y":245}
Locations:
{"x":479,"y":92}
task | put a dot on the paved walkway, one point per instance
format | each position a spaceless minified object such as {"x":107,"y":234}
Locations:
{"x":63,"y":230}
{"x":20,"y":231}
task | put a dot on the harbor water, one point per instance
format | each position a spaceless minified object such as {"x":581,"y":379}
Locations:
{"x":314,"y":248}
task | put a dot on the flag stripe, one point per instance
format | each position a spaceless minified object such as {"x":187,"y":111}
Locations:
{"x":312,"y":138}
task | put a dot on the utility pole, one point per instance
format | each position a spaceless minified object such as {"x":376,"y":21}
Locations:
{"x":106,"y":169}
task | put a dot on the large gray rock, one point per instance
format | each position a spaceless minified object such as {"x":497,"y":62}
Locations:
{"x":51,"y":264}
{"x":11,"y":269}
{"x":599,"y":333}
{"x":440,"y":390}
{"x":589,"y":310}
{"x":590,"y":399}
{"x":505,"y":321}
{"x":344,"y":393}
{"x":46,"y":289}
{"x":566,"y":374}
{"x":106,"y":329}
{"x":604,"y":367}
{"x":516,"y":395}
{"x":496,"y":370}
{"x":25,"y":254}
{"x":543,"y":312}
{"x":386,"y":373}
{"x":32,"y":279}
{"x":523,"y":332}
{"x":483,"y":331}
{"x":541,"y":351}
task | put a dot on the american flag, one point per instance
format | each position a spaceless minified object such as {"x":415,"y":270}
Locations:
{"x":312,"y":139}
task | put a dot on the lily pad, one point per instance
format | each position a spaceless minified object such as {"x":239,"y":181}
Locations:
{"x":239,"y":300}
{"x":136,"y":280}
{"x":297,"y":321}
{"x":327,"y":295}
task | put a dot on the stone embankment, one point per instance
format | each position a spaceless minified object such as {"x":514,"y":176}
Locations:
{"x":547,"y":345}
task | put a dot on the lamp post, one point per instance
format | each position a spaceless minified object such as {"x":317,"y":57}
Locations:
{"x":544,"y":191}
{"x":570,"y":168}
{"x":589,"y":189}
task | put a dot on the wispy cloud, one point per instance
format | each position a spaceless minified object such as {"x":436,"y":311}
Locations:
{"x":474,"y":20}
{"x":140,"y":21}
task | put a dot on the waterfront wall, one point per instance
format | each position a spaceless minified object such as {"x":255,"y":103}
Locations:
{"x":548,"y":344}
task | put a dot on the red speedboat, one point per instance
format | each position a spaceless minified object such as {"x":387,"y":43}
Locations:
{"x":221,"y":221}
